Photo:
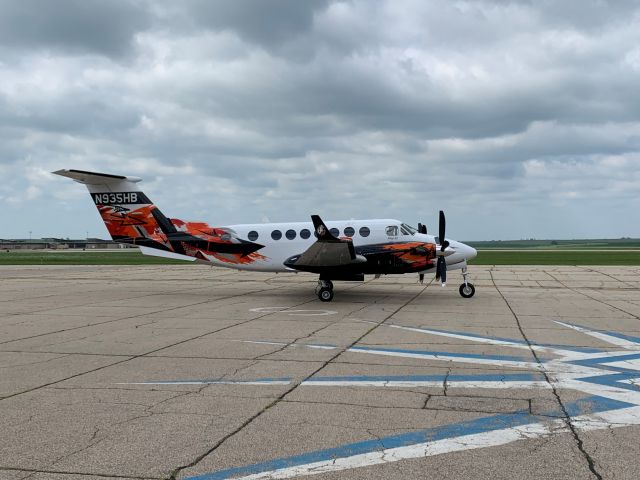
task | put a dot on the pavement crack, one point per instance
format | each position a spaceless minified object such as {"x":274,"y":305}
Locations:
{"x":295,"y":385}
{"x":592,"y":297}
{"x":444,"y":382}
{"x":566,"y":417}
{"x":133,"y":357}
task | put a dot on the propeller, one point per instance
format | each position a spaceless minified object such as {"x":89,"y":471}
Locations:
{"x":421,"y":229}
{"x":441,"y":266}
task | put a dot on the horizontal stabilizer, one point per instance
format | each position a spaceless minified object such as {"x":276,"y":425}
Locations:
{"x":154,"y":252}
{"x":94,"y":178}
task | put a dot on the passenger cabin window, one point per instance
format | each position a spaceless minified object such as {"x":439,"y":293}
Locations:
{"x":335,"y":232}
{"x":276,"y":234}
{"x":253,"y":235}
{"x":304,"y":233}
{"x":349,"y":232}
{"x":392,"y":231}
{"x":364,"y":231}
{"x":291,"y":234}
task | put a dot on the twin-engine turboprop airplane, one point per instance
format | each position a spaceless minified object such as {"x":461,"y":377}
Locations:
{"x":340,"y":250}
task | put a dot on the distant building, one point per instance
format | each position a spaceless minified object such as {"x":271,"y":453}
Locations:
{"x":58,"y":243}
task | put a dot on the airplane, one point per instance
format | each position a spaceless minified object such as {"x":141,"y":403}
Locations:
{"x":340,"y":250}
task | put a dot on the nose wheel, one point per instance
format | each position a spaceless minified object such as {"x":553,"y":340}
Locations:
{"x":467,"y":290}
{"x":324,"y":290}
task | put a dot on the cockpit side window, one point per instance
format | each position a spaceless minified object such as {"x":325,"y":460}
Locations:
{"x":407,"y":229}
{"x":392,"y":231}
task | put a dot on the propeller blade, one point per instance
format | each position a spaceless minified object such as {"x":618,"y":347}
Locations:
{"x":441,"y":270}
{"x":442,"y":224}
{"x":419,"y":228}
{"x":421,"y":276}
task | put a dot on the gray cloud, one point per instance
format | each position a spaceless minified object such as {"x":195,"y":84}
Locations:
{"x":73,"y":26}
{"x":519,"y":118}
{"x":268,"y":23}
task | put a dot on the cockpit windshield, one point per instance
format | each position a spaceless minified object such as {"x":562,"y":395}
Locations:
{"x":407,"y":229}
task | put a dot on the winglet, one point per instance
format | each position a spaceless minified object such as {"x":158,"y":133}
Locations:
{"x":324,"y":235}
{"x":322,"y":232}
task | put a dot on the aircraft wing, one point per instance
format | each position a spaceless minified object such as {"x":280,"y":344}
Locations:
{"x":327,"y":252}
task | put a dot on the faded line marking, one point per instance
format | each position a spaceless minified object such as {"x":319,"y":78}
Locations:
{"x":294,"y":313}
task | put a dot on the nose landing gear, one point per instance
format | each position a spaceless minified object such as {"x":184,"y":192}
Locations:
{"x":324,"y":290}
{"x":467,"y":290}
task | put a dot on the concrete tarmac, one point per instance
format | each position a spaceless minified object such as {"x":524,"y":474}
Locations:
{"x":161,"y":372}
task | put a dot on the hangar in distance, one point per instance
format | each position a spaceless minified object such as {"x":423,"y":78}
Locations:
{"x":335,"y":250}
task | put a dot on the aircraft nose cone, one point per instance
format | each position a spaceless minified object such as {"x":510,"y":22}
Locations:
{"x":470,"y":252}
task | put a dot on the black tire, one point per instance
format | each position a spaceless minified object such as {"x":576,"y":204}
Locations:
{"x":467,"y":290}
{"x":329,"y":284}
{"x":325,"y":294}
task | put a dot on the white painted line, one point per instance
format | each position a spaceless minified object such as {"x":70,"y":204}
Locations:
{"x":620,"y":342}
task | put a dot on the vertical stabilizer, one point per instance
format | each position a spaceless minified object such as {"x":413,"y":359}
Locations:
{"x":129,"y":215}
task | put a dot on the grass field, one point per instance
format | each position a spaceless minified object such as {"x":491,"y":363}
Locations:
{"x":609,"y":244}
{"x":118,"y":257}
{"x":485,"y":257}
{"x":557,"y":257}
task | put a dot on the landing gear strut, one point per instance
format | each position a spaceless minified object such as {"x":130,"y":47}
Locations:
{"x":467,"y":290}
{"x":324,"y":290}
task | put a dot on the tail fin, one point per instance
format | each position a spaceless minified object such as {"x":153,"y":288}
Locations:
{"x":127,"y":212}
{"x":130,"y":217}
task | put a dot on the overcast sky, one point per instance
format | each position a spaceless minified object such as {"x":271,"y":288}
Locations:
{"x":519,"y":119}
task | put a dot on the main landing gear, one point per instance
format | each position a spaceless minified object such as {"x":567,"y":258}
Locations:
{"x":324,"y":290}
{"x":467,"y":290}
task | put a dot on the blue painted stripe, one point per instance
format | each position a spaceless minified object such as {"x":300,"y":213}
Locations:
{"x":445,"y":354}
{"x":614,"y":380}
{"x":520,"y":342}
{"x":621,"y":336}
{"x":516,"y":377}
{"x":571,"y":348}
{"x":475,"y":335}
{"x":480,"y":425}
{"x":600,"y":363}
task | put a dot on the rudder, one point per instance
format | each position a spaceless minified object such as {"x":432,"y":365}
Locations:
{"x":129,"y":215}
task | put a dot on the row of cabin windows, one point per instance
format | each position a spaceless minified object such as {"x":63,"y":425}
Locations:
{"x":305,"y":233}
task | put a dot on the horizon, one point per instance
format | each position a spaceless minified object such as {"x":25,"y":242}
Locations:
{"x":106,"y":237}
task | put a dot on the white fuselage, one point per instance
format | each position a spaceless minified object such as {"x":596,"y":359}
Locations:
{"x":280,"y":247}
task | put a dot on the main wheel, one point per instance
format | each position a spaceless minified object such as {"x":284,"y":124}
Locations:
{"x":325,"y":294}
{"x":467,"y":290}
